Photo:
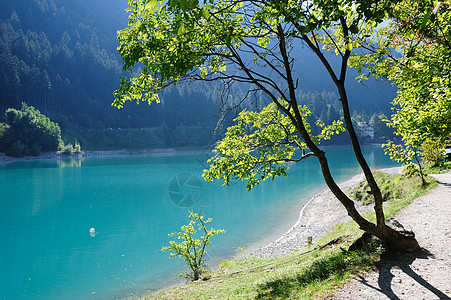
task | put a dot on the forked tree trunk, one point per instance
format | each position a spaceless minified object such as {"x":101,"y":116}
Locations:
{"x":393,"y":239}
{"x":401,"y":240}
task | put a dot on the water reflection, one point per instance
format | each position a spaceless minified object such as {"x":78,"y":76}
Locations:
{"x":70,"y":163}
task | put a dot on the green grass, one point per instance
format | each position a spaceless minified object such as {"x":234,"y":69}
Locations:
{"x":389,"y":184}
{"x":446,"y":167}
{"x":310,"y":273}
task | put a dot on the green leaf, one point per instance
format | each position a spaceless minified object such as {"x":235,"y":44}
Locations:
{"x":151,"y":4}
{"x":205,"y":12}
{"x":426,"y":18}
{"x":181,"y":29}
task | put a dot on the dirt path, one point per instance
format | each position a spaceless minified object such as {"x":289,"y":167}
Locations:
{"x":422,"y":276}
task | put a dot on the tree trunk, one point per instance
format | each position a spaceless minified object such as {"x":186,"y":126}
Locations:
{"x":400,"y":240}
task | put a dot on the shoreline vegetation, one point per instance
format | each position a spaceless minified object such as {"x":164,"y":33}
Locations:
{"x":99,"y":153}
{"x":280,"y":269}
{"x":62,"y":155}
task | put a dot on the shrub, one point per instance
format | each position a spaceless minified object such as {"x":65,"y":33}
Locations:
{"x":388,"y":184}
{"x":77,"y":147}
{"x":6,"y":139}
{"x":434,"y":151}
{"x":18,"y":149}
{"x":68,"y":149}
{"x":191,"y":249}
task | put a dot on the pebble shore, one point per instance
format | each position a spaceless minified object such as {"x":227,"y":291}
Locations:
{"x":316,"y":218}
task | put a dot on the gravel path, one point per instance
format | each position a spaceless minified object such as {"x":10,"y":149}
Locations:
{"x":418,"y":276}
{"x":426,"y":275}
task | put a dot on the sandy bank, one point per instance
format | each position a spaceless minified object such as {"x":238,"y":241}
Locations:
{"x":317,"y":217}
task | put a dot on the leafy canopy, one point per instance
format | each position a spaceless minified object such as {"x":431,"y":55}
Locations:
{"x":247,"y":42}
{"x":254,"y":42}
{"x":260,"y":145}
{"x":176,"y":41}
{"x":413,"y":52}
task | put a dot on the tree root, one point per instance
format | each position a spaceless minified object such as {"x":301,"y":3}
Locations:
{"x":394,"y":236}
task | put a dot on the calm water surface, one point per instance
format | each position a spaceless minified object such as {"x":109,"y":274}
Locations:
{"x":47,"y":208}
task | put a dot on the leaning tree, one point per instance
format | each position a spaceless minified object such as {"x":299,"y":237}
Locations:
{"x":254,"y":43}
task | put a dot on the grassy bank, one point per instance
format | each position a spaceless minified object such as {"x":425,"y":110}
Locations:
{"x":311,"y":273}
{"x":446,"y":167}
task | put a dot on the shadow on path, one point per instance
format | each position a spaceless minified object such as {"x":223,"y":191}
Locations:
{"x":391,"y":261}
{"x":444,"y":183}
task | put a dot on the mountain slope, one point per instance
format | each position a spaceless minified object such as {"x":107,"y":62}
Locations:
{"x":60,"y":56}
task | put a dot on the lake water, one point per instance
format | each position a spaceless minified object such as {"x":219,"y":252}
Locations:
{"x":47,"y":208}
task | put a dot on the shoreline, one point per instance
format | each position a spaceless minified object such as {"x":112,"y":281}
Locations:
{"x":100,"y":153}
{"x":316,"y":218}
{"x":97,"y":153}
{"x":310,"y":221}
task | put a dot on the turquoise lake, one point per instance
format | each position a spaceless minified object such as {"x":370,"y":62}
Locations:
{"x":47,"y":208}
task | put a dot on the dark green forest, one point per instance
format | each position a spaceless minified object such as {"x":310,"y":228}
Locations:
{"x":60,"y":57}
{"x":28,"y":132}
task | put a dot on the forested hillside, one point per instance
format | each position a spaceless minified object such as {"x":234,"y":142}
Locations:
{"x":60,"y":57}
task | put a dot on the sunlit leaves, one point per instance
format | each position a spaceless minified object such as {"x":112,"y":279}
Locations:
{"x":412,"y":51}
{"x":257,"y":148}
{"x":433,"y":151}
{"x":135,"y":89}
{"x":328,"y":131}
{"x":182,"y":29}
{"x":191,"y":39}
{"x":151,"y":4}
{"x":194,"y":238}
{"x":173,"y":40}
{"x":170,"y":40}
{"x":359,"y":17}
{"x":409,"y":156}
